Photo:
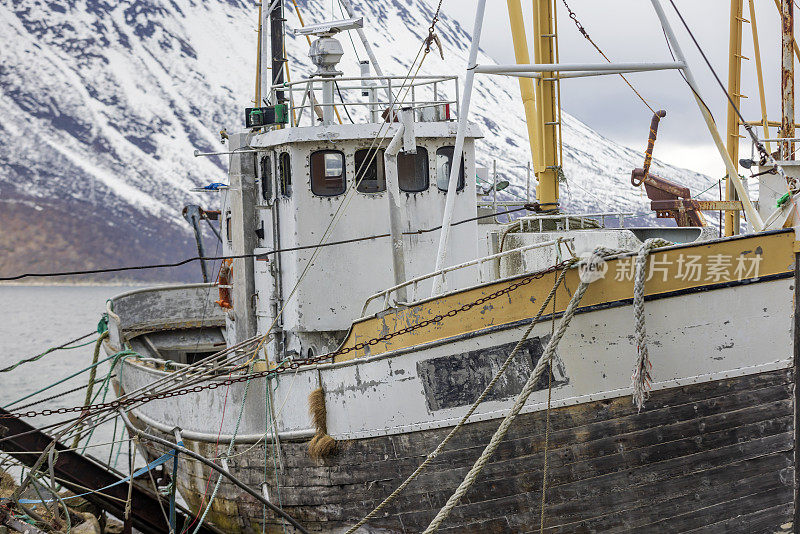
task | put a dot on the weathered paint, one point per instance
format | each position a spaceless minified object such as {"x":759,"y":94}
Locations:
{"x":385,"y":394}
{"x":774,"y":249}
{"x":713,"y":456}
{"x":458,"y":379}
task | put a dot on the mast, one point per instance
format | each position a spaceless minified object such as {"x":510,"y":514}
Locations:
{"x":276,"y":22}
{"x":458,"y":150}
{"x":787,"y":77}
{"x":262,"y":74}
{"x":734,"y":89}
{"x":544,"y":31}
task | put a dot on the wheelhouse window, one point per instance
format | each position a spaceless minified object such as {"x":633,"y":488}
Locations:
{"x":327,"y":173}
{"x":370,"y":171}
{"x":444,"y":161}
{"x":266,"y":178}
{"x":285,"y":174}
{"x":412,"y":171}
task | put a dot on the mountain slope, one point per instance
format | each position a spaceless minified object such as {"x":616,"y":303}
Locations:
{"x":103,"y":103}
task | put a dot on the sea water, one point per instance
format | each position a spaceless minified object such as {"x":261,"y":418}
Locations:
{"x":35,"y":318}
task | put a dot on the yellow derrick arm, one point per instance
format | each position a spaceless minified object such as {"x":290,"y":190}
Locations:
{"x":542,"y":112}
{"x":525,"y":84}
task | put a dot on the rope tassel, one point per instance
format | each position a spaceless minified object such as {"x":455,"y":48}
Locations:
{"x":321,"y":445}
{"x":642,"y":380}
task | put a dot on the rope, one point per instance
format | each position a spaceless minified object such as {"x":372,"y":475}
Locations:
{"x":92,"y":375}
{"x":543,"y":363}
{"x":641,"y":373}
{"x":230,"y":448}
{"x":57,"y":395}
{"x":469,"y":413}
{"x":268,"y":411}
{"x":48,"y":351}
{"x":73,"y":375}
{"x":260,"y":255}
{"x":547,"y":425}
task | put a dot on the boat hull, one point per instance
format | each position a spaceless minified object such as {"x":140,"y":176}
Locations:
{"x":713,"y":449}
{"x":714,"y":456}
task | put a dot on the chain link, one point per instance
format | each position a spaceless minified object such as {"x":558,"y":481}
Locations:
{"x":432,"y":30}
{"x":291,"y":365}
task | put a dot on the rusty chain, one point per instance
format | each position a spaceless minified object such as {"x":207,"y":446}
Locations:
{"x":432,"y":37}
{"x":289,"y":365}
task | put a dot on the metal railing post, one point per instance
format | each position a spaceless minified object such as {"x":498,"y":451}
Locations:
{"x":455,"y":167}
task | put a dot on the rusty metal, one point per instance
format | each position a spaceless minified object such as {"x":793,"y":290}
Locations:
{"x":671,"y":201}
{"x":685,"y":211}
{"x":77,"y":472}
{"x":715,"y":205}
{"x":668,"y":199}
{"x":212,"y":215}
{"x":687,"y":205}
{"x":787,"y":76}
{"x":640,"y":175}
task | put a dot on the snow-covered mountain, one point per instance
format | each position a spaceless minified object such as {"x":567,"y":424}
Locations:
{"x":103,"y":102}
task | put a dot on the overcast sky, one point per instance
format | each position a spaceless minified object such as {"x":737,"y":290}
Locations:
{"x":628,"y":30}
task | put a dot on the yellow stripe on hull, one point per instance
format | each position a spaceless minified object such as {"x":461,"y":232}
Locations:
{"x":671,"y":270}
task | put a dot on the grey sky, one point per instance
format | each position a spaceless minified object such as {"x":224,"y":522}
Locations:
{"x":628,"y":30}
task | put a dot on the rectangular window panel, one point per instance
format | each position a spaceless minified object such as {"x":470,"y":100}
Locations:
{"x":444,"y":161}
{"x":266,"y":178}
{"x":285,"y":174}
{"x":412,"y":171}
{"x":369,"y":171}
{"x":327,"y":173}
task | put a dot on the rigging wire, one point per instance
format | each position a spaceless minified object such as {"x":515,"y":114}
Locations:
{"x":760,"y":147}
{"x":349,"y":32}
{"x":239,"y":256}
{"x":63,"y":346}
{"x":345,"y":106}
{"x":583,"y":32}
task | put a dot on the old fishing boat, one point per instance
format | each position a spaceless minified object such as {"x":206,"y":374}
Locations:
{"x":379,"y":354}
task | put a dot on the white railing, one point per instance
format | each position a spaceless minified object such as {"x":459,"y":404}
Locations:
{"x":414,"y":282}
{"x":439,"y":92}
{"x":571,"y":222}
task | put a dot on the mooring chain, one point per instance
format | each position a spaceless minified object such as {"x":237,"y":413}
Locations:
{"x":583,"y":32}
{"x":432,"y":37}
{"x":289,"y":365}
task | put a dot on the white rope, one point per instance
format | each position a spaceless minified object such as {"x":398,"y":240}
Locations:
{"x":467,"y":415}
{"x":527,"y":390}
{"x":641,"y":372}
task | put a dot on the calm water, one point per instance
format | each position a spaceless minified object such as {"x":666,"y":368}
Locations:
{"x":33,"y":319}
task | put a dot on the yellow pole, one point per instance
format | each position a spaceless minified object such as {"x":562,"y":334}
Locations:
{"x":757,"y":54}
{"x":544,"y":41}
{"x":526,"y":90}
{"x":734,"y":89}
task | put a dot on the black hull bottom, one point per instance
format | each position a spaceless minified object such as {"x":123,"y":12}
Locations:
{"x":709,"y":457}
